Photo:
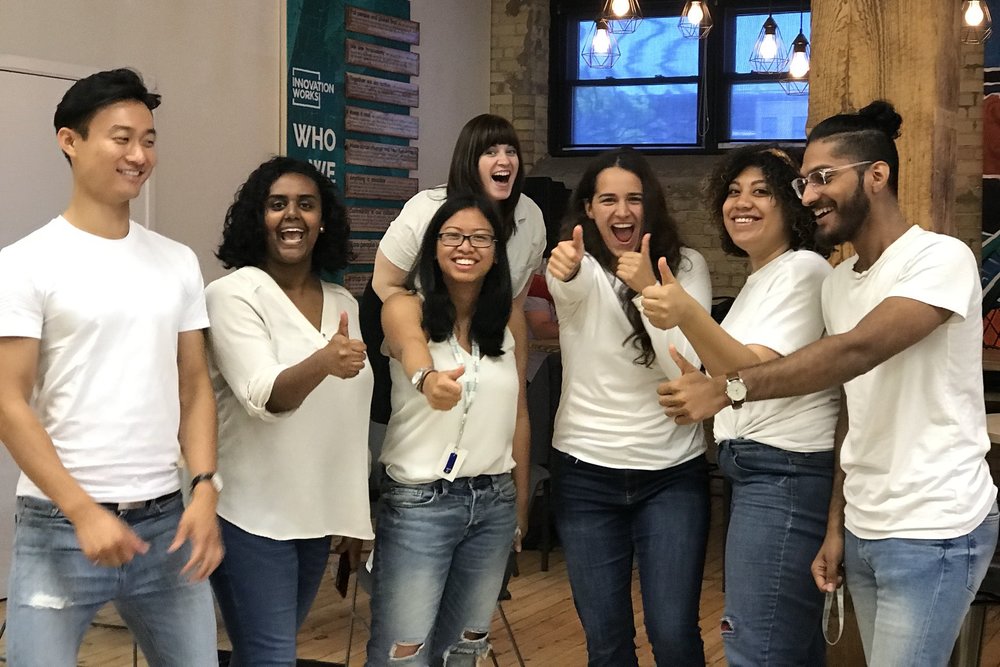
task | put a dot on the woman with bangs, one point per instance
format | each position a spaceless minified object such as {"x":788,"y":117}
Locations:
{"x":629,"y":485}
{"x":777,"y":454}
{"x":447,"y":516}
{"x":486,"y":162}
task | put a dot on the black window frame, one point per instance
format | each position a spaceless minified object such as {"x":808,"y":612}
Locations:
{"x":717,"y":51}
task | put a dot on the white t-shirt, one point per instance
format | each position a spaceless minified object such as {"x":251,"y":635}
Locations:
{"x":296,"y":474}
{"x":914,"y":456}
{"x":107,"y":313}
{"x":402,"y":240}
{"x":609,"y":413}
{"x":779,"y":308}
{"x":418,"y":436}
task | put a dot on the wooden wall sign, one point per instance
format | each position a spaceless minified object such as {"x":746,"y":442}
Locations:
{"x":364,"y":250}
{"x":355,"y":282}
{"x":367,"y":186}
{"x":361,"y":87}
{"x":381,"y":25}
{"x":382,"y":57}
{"x":370,"y":219}
{"x":371,"y":154}
{"x":380,"y":122}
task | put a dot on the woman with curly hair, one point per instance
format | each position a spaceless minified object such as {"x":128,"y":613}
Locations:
{"x":629,"y":485}
{"x":777,"y":454}
{"x":293,"y":389}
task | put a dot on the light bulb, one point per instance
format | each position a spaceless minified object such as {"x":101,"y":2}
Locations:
{"x":768,"y":47}
{"x":974,"y":14}
{"x":799,"y":65}
{"x":620,"y":7}
{"x":695,"y":14}
{"x":602,"y":42}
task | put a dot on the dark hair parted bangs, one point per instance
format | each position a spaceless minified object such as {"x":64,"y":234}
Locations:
{"x":476,"y":136}
{"x":869,"y":134}
{"x":664,"y":238}
{"x":244,"y":234}
{"x":493,"y":307}
{"x":780,"y":166}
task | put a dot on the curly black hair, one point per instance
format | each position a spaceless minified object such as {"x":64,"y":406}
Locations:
{"x":493,"y":307}
{"x":779,"y":166}
{"x":244,"y":235}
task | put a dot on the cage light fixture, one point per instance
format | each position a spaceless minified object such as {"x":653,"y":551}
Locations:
{"x":696,"y":20}
{"x":977,"y":24}
{"x":768,"y":54}
{"x":600,"y":49}
{"x":622,"y":16}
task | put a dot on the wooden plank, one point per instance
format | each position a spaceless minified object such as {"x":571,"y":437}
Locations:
{"x":364,"y":250}
{"x":382,"y":25}
{"x":370,"y":121}
{"x":380,"y":57}
{"x":367,"y":186}
{"x":388,"y":91}
{"x":374,"y":154}
{"x":370,"y":219}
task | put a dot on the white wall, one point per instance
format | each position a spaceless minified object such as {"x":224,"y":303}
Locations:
{"x":454,"y":77}
{"x":216,"y":65}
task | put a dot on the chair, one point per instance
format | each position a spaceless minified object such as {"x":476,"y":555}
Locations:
{"x":364,"y":577}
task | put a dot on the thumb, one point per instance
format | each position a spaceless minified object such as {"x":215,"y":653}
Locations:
{"x":666,"y":275}
{"x":342,"y":330}
{"x":578,"y":238}
{"x":682,"y":363}
{"x":644,"y":248}
{"x":455,"y":373}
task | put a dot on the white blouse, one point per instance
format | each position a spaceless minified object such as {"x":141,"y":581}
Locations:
{"x":301,"y":473}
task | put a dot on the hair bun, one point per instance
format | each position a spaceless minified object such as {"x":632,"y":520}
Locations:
{"x":881,"y":115}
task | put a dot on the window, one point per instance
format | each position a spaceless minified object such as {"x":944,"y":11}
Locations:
{"x":668,"y":93}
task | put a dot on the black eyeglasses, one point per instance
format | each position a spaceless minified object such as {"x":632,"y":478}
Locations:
{"x":820,"y":177}
{"x":454,"y":239}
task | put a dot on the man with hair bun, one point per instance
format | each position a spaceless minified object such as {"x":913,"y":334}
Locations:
{"x":103,"y":386}
{"x":913,"y":520}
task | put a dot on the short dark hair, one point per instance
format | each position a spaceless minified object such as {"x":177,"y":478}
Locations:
{"x":92,"y":93}
{"x":869,"y":134}
{"x":779,"y":166}
{"x":664,"y":240}
{"x":477,"y":135}
{"x":244,"y":234}
{"x":493,"y":308}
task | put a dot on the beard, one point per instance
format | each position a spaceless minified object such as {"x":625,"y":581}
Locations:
{"x":851,"y":215}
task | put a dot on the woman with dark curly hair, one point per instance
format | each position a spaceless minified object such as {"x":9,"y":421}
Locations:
{"x":293,"y":388}
{"x":777,"y":454}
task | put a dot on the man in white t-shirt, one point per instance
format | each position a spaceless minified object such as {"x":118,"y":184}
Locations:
{"x":914,"y":518}
{"x":103,"y":387}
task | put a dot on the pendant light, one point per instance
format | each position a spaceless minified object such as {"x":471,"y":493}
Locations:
{"x":696,"y":20}
{"x":977,"y":24}
{"x":797,"y":81}
{"x":768,"y":53}
{"x":600,"y":50}
{"x":622,"y":16}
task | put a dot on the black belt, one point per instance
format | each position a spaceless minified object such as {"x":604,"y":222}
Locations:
{"x":139,"y":504}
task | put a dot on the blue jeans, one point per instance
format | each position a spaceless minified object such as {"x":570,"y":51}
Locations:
{"x":265,"y":588}
{"x":441,"y":551}
{"x":606,"y":518}
{"x":55,"y":591}
{"x":774,"y":612}
{"x":911,"y":596}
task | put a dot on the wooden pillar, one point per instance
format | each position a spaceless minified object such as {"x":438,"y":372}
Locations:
{"x":906,"y":52}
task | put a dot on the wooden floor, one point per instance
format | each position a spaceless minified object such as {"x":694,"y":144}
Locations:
{"x":541,"y":613}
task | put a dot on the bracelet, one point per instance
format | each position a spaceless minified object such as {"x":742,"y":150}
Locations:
{"x":423,"y":379}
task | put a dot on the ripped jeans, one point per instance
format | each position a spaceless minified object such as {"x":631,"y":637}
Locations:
{"x":55,"y":591}
{"x":441,"y":551}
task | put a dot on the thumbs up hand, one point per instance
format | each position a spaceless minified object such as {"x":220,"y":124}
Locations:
{"x":442,"y":388}
{"x":635,"y":269}
{"x":567,"y":256}
{"x":666,"y":305}
{"x":346,"y":355}
{"x":693,"y":396}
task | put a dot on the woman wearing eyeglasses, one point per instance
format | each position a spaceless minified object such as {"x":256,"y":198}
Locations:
{"x":447,"y":518}
{"x":777,"y":454}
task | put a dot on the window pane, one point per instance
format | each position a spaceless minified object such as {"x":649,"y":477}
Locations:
{"x":615,"y":115}
{"x":748,"y":27}
{"x":656,"y":48}
{"x":762,"y":111}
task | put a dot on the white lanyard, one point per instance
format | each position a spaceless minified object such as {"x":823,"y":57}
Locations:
{"x":837,"y":596}
{"x":469,"y":386}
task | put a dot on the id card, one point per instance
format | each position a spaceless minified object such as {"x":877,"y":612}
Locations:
{"x":451,"y":462}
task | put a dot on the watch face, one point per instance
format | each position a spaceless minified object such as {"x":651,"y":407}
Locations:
{"x":735,"y":389}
